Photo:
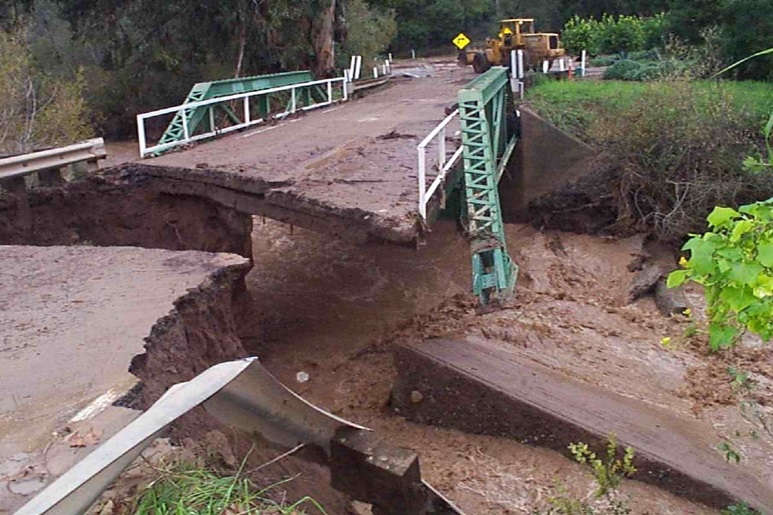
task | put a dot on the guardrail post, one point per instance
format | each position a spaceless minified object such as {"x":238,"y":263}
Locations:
{"x":293,"y":102}
{"x":330,"y":91}
{"x":52,"y":177}
{"x":211,"y":119}
{"x":246,"y":109}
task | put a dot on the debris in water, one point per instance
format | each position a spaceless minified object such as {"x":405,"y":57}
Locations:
{"x":302,"y":377}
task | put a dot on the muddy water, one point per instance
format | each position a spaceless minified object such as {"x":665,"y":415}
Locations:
{"x":333,"y":310}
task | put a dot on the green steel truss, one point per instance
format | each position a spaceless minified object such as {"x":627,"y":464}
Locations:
{"x":484,"y":106}
{"x":223,"y":88}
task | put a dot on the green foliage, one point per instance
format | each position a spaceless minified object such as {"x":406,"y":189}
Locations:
{"x":739,"y":509}
{"x":37,"y":109}
{"x":370,"y":31}
{"x":654,"y":30}
{"x":747,"y":26}
{"x":581,"y":34}
{"x":687,"y":18}
{"x":609,"y":470}
{"x":620,"y":35}
{"x":193,"y":490}
{"x":614,"y":35}
{"x":734,"y":263}
{"x":731,"y":455}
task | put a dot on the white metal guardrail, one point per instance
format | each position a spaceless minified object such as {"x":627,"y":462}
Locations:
{"x":19,"y":166}
{"x":247,"y":116}
{"x":443,"y":165}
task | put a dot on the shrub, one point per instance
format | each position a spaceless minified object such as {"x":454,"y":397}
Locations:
{"x":607,"y":60}
{"x":620,"y":35}
{"x":625,"y":69}
{"x":581,"y":34}
{"x":37,"y":110}
{"x":734,"y":263}
{"x":654,"y":30}
{"x":680,"y":146}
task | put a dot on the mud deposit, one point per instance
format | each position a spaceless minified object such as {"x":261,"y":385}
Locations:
{"x":334,"y":311}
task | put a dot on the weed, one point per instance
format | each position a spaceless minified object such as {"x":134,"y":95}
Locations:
{"x":731,"y":455}
{"x":193,"y":490}
{"x":608,"y":472}
{"x":739,"y":509}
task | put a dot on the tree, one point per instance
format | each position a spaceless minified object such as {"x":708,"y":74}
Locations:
{"x":36,"y":110}
{"x":687,"y":18}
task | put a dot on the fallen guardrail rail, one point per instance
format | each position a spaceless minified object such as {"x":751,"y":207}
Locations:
{"x":89,"y":151}
{"x":245,"y":395}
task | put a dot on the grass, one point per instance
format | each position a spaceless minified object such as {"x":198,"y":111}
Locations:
{"x":575,"y":106}
{"x":184,"y":489}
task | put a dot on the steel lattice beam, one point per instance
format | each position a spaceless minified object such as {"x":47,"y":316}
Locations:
{"x":483,"y":106}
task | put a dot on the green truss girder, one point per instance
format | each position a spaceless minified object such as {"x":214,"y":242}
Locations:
{"x":483,"y":106}
{"x":223,"y":88}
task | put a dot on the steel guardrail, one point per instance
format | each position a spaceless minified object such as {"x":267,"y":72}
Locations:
{"x":25,"y":164}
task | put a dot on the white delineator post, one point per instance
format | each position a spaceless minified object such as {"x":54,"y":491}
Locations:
{"x":561,"y":65}
{"x":413,"y":54}
{"x":352,"y":64}
{"x":545,"y":66}
{"x":582,"y":62}
{"x":357,"y":67}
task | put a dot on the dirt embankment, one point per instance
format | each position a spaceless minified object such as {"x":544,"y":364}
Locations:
{"x":112,"y":209}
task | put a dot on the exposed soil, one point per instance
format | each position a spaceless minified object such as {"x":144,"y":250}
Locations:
{"x":113,"y":209}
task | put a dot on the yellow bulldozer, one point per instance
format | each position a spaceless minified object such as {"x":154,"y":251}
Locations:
{"x":514,"y":34}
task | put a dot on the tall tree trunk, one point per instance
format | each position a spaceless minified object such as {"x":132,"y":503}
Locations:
{"x":322,"y":34}
{"x":242,"y":44}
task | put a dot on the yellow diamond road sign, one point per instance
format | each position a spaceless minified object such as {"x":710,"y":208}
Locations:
{"x":461,"y":41}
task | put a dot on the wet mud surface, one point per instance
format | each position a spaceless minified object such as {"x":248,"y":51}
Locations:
{"x":335,"y":311}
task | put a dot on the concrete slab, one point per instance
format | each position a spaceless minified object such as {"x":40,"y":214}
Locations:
{"x":348,"y":169}
{"x":480,"y":387}
{"x":71,"y":320}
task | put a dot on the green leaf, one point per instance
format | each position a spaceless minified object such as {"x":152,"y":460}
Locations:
{"x":722,"y":215}
{"x":701,"y":257}
{"x":721,"y":335}
{"x":763,"y":287}
{"x":745,"y":273}
{"x":765,"y":254}
{"x":741,"y":228}
{"x":737,"y":298}
{"x":677,"y":278}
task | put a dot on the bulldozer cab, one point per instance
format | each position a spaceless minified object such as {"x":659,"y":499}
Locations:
{"x":511,"y":31}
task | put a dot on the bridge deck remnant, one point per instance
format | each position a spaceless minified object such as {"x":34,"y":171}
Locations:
{"x":349,"y":170}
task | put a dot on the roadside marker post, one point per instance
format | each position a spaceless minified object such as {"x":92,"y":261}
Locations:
{"x":582,"y":63}
{"x":545,"y":66}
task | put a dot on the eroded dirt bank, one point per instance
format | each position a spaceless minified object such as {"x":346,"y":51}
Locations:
{"x":117,"y":209}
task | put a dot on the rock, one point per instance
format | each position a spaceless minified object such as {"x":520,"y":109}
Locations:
{"x":644,"y":281}
{"x":416,"y":397}
{"x":670,"y":301}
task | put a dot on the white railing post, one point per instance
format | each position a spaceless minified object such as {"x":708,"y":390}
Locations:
{"x":246,"y":109}
{"x":441,"y":149}
{"x":292,"y":105}
{"x":545,"y":66}
{"x":345,"y":91}
{"x":141,"y":135}
{"x":186,"y":135}
{"x":211,"y":118}
{"x":422,"y":182}
{"x":375,"y":72}
{"x":330,"y":91}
